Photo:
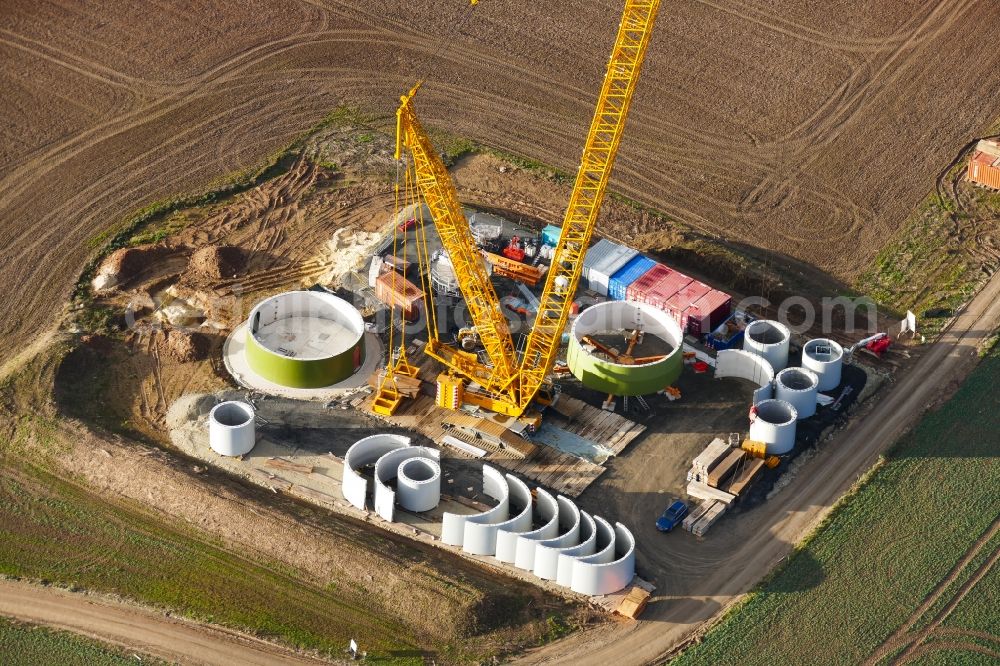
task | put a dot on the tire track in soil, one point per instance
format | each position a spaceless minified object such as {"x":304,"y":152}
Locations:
{"x":902,"y":635}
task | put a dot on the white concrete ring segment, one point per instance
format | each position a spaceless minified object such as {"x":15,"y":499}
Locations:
{"x":770,"y":339}
{"x":774,"y":425}
{"x":547,"y":551}
{"x":548,"y":514}
{"x":386,"y":468}
{"x":232,"y":429}
{"x":480,"y":530}
{"x":593,"y":577}
{"x":586,"y":546}
{"x":364,"y":452}
{"x":827,"y":366}
{"x":798,"y":386}
{"x":418,"y":484}
{"x":744,"y":365}
{"x":508,"y":530}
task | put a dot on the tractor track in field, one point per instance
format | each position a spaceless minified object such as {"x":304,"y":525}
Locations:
{"x":770,"y":186}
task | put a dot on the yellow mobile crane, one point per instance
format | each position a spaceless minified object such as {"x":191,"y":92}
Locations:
{"x":507,"y":383}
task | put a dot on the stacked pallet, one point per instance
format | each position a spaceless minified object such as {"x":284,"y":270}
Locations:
{"x":743,"y":478}
{"x":713,"y":514}
{"x":705,"y":461}
{"x":697,"y":514}
{"x":729,"y":464}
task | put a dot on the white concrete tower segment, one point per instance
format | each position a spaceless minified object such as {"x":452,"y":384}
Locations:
{"x":480,"y":530}
{"x":743,"y":364}
{"x":798,"y":387}
{"x":547,"y":510}
{"x":825,"y":358}
{"x":547,"y":551}
{"x":774,"y":425}
{"x":770,"y":339}
{"x":586,"y":546}
{"x":593,"y":576}
{"x":418,"y":484}
{"x":232,"y":428}
{"x":386,"y":468}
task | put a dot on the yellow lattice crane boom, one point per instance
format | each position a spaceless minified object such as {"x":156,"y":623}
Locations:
{"x":599,"y":153}
{"x":439,"y":195}
{"x":509,"y":384}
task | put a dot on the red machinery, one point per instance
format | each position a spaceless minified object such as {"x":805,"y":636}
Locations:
{"x":515,"y":249}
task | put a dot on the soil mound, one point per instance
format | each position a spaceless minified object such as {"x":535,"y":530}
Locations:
{"x":217,"y":261}
{"x":186,"y":346}
{"x":124,"y":264}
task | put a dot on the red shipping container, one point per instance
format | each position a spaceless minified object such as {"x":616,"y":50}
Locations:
{"x":677,"y":307}
{"x":709,"y":311}
{"x":638,"y":290}
{"x":690,"y":294}
{"x":670,"y":285}
{"x":983,"y":170}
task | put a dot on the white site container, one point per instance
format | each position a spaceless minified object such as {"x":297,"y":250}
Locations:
{"x":602,"y":261}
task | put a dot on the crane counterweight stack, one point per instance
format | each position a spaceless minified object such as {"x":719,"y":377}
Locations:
{"x":508,"y":383}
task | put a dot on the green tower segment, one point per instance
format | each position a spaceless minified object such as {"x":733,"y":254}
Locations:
{"x":607,"y":376}
{"x":305,"y":340}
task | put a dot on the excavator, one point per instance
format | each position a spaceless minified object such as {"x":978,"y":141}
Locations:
{"x":498,"y":377}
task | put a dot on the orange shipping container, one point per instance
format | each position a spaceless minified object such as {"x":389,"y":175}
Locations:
{"x":395,"y":290}
{"x":982,"y":171}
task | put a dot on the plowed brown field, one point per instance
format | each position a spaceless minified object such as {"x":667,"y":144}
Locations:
{"x":810,"y":130}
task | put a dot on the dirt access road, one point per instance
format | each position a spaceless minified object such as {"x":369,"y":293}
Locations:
{"x":810,"y":130}
{"x":171,"y":639}
{"x":797,"y":509}
{"x":669,"y":620}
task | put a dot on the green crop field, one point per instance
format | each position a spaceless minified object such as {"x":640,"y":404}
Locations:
{"x":904,"y":568}
{"x":54,"y":531}
{"x":28,"y":645}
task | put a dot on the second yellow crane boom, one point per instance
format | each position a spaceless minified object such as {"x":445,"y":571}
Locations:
{"x":599,"y":153}
{"x":511,"y":383}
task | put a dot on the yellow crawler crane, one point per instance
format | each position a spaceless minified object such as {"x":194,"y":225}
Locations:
{"x":508,"y":384}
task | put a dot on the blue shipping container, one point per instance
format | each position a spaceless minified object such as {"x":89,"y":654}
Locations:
{"x":627,"y":274}
{"x":550,"y":235}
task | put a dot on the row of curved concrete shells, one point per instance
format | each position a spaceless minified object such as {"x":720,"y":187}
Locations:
{"x":571,"y":547}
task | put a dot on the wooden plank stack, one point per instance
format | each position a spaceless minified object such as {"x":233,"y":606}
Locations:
{"x":745,"y":476}
{"x":713,"y":514}
{"x":721,"y":471}
{"x":707,"y":460}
